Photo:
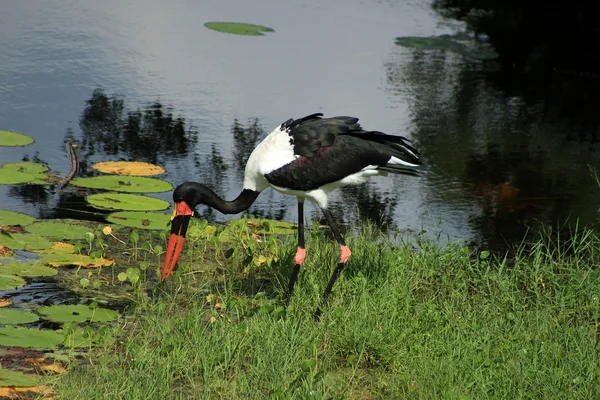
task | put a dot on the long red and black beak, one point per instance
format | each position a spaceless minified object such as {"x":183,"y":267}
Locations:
{"x":179,"y":225}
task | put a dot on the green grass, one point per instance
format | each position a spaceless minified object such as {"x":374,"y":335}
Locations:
{"x":408,"y":320}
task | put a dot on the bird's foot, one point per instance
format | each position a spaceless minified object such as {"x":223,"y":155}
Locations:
{"x":300,"y":255}
{"x":345,"y":254}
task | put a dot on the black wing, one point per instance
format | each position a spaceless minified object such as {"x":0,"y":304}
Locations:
{"x":331,"y":149}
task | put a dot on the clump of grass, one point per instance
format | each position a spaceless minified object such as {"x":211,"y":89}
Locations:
{"x":407,"y":320}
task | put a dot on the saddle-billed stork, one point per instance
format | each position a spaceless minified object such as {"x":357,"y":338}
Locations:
{"x":306,"y":158}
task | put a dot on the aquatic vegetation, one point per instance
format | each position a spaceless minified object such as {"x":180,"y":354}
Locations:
{"x":140,"y":219}
{"x":30,"y":337}
{"x":14,"y":218}
{"x":77,"y":313}
{"x":8,"y":138}
{"x":125,"y":201}
{"x":78,"y":260}
{"x":24,"y":241}
{"x":58,"y":229}
{"x":132,"y":168}
{"x":10,"y":282}
{"x":238,"y":28}
{"x":24,"y":172}
{"x":121,"y":183}
{"x":9,"y":316}
{"x":27,"y":269}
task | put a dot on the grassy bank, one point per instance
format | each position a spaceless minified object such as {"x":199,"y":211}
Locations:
{"x":404,"y":321}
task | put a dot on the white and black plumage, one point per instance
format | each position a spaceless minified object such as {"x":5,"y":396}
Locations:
{"x":307,"y":158}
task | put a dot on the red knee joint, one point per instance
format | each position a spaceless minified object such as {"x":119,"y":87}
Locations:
{"x":345,"y":254}
{"x":300,"y":255}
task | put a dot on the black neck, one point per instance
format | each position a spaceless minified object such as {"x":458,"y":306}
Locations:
{"x":205,"y":195}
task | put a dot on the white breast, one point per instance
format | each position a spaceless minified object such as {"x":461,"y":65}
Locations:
{"x":272,"y":153}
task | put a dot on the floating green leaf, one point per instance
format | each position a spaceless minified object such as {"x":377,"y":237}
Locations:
{"x":30,"y":337}
{"x":14,"y":218}
{"x":80,"y":260}
{"x":23,"y":172}
{"x":238,"y":28}
{"x":140,"y":219}
{"x":132,"y":184}
{"x":16,"y":378}
{"x":124,"y":201}
{"x":10,"y":316}
{"x":58,"y":230}
{"x":8,"y":138}
{"x":476,"y":50}
{"x":10,"y":282}
{"x":27,"y":167}
{"x":77,"y":313}
{"x":12,"y":177}
{"x":24,"y":241}
{"x":28,"y":269}
{"x":37,"y":171}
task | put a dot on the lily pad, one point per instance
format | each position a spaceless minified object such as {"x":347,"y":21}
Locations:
{"x":140,"y":219}
{"x":16,"y":378}
{"x":12,"y":177}
{"x":132,"y":168}
{"x":132,"y":184}
{"x":238,"y":28}
{"x":14,"y":218}
{"x":59,"y":230}
{"x":10,"y":316}
{"x":27,"y":167}
{"x":124,"y":201}
{"x":24,"y":241}
{"x":29,"y":269}
{"x":30,"y":337}
{"x":10,"y":282}
{"x":78,"y":313}
{"x":37,"y":171}
{"x":79,"y":260}
{"x":58,"y":248}
{"x":8,"y":138}
{"x":475,"y":50}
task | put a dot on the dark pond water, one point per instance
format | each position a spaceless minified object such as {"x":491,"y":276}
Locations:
{"x":508,"y":140}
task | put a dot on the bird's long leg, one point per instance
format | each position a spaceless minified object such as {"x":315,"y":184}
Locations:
{"x":345,"y":254}
{"x":300,"y":252}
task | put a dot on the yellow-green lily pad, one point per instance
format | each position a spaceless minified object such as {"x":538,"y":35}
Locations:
{"x":238,"y":28}
{"x":10,"y":282}
{"x":10,"y":316}
{"x":77,"y":313}
{"x":24,"y":241}
{"x":125,"y":201}
{"x":14,"y":218}
{"x":13,"y":177}
{"x":140,"y":219}
{"x":8,"y":138}
{"x":30,"y":337}
{"x":15,"y":378}
{"x":58,"y":248}
{"x":37,"y":171}
{"x":27,"y":269}
{"x":58,"y":230}
{"x":79,"y":260}
{"x":119,"y":183}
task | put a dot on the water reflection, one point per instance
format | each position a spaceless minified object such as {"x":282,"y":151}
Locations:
{"x":514,"y":135}
{"x":150,"y":135}
{"x":153,"y":134}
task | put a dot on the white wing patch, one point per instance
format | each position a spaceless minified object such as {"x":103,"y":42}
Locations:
{"x":272,"y":153}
